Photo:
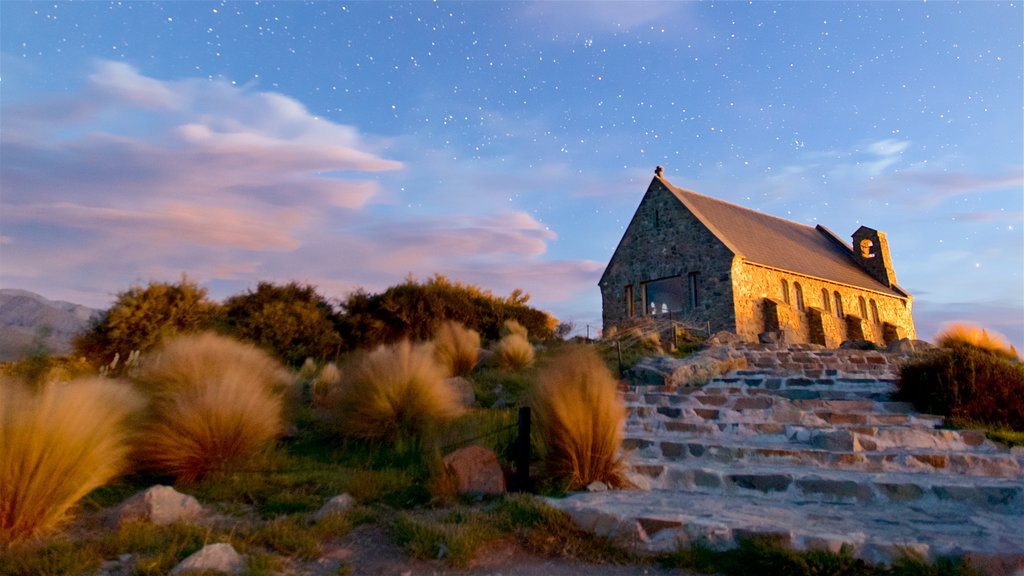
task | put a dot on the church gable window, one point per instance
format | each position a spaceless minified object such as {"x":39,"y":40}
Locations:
{"x":663,"y":296}
{"x":799,"y":291}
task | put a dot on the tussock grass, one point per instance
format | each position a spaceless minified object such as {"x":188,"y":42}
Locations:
{"x":958,"y":334}
{"x":324,"y":383}
{"x":513,"y":327}
{"x":514,"y":352}
{"x":581,"y":418}
{"x":395,"y":394}
{"x":215,"y":403}
{"x":457,"y":348}
{"x":57,"y":445}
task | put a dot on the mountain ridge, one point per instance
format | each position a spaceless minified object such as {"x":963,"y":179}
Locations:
{"x":25,"y":315}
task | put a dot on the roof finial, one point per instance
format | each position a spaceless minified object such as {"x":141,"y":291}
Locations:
{"x":658,"y":171}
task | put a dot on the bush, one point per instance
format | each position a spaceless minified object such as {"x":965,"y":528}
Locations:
{"x":514,"y":352}
{"x":141,"y":317}
{"x":324,"y":383}
{"x":56,"y":446}
{"x":395,"y":394}
{"x":967,"y":334}
{"x":456,"y":348}
{"x":292,"y":321}
{"x":581,"y":418}
{"x":967,"y":383}
{"x":215,"y":402}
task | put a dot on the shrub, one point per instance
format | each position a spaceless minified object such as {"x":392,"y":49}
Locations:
{"x":142,"y":316}
{"x":56,"y":446}
{"x":215,"y":402}
{"x":967,"y":383}
{"x":457,"y":348}
{"x":513,"y":327}
{"x":966,"y":334}
{"x":324,"y":383}
{"x":514,"y":352}
{"x":581,"y":417}
{"x":395,"y":393}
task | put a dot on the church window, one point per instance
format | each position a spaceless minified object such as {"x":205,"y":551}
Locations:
{"x":863,"y":308}
{"x":799,"y":291}
{"x":838,"y":304}
{"x":785,"y":291}
{"x":825,"y":303}
{"x":874,"y":312}
{"x":630,"y":306}
{"x":663,"y":296}
{"x":692,"y":280}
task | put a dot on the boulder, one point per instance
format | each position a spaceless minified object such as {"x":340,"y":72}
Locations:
{"x":858,"y":345}
{"x":158,"y":505}
{"x":724,"y":337}
{"x":337,"y":504}
{"x":694,"y":370}
{"x":220,"y":558}
{"x":773,"y":337}
{"x":907,"y":346}
{"x":463,"y":391}
{"x":476,"y":471}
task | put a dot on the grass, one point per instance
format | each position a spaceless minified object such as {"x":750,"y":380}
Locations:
{"x":395,"y":395}
{"x":456,"y":536}
{"x":514,"y":352}
{"x":56,"y":445}
{"x":581,"y":417}
{"x":457,"y":348}
{"x":215,"y":403}
{"x":959,"y":334}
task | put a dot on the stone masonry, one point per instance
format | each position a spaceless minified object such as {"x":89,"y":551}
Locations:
{"x":806,"y":447}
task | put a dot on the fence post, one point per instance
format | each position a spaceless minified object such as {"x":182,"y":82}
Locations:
{"x":618,"y":347}
{"x":522,"y":451}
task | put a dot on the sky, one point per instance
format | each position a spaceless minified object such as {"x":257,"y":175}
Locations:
{"x":503,"y":144}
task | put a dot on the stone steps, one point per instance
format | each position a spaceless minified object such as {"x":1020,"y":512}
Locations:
{"x":817,"y":458}
{"x":799,"y":485}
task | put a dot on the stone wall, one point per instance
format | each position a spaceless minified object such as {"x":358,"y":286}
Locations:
{"x":760,"y":306}
{"x":665,"y":240}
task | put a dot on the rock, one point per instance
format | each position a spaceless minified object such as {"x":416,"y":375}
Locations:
{"x":694,"y":370}
{"x":858,"y":345}
{"x":597,"y":486}
{"x":476,"y":471}
{"x":773,"y":337}
{"x":213,"y":558}
{"x":724,"y":337}
{"x":337,"y":504}
{"x":158,"y":505}
{"x":463,"y":391}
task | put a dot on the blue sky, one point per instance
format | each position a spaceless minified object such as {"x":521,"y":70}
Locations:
{"x":506,"y":144}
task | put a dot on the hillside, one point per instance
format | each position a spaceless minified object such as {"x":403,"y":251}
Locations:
{"x":23,"y":314}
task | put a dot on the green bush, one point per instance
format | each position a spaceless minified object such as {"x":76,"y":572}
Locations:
{"x":966,"y":382}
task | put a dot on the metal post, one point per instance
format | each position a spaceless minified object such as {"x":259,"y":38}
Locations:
{"x":522,"y":451}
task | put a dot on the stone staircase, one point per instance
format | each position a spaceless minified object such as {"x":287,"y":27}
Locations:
{"x":813,"y":456}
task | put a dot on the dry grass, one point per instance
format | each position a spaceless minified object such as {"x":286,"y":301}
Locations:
{"x":581,"y":418}
{"x":959,"y":334}
{"x":215,"y":402}
{"x":457,"y":348}
{"x":514,"y":352}
{"x":513,"y":327}
{"x":324,"y":383}
{"x":56,"y":446}
{"x":393,"y":394}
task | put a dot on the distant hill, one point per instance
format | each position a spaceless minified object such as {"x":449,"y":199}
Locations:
{"x":23,"y":314}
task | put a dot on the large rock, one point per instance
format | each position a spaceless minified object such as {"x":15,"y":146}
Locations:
{"x":907,"y":346}
{"x":687,"y":372}
{"x":724,"y":337}
{"x":158,"y":505}
{"x":220,"y":558}
{"x":476,"y":471}
{"x":336,"y":505}
{"x":463,"y":391}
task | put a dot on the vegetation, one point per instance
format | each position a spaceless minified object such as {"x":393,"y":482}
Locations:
{"x":969,"y":378}
{"x":958,"y":335}
{"x":291,"y":321}
{"x":396,"y":394}
{"x":514,"y":352}
{"x":414,"y":311}
{"x":457,"y":348}
{"x":58,"y":444}
{"x":214,"y":403}
{"x":581,"y":419}
{"x":142,"y":316}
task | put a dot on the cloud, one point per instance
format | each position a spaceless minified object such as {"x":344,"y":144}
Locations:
{"x":942,"y":184}
{"x":605,"y":17}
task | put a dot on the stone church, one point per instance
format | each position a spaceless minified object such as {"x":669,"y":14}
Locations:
{"x":716,"y":265}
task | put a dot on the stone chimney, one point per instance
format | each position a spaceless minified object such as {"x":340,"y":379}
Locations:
{"x":871,"y":251}
{"x":658,"y":171}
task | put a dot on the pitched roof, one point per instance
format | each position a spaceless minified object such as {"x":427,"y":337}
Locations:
{"x":778,"y":243}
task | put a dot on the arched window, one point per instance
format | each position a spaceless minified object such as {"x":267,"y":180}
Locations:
{"x":863,"y":308}
{"x":838,"y":304}
{"x":785,"y":291}
{"x":799,"y":290}
{"x":874,"y":312}
{"x":825,"y":301}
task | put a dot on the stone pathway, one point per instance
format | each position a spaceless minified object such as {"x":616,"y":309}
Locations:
{"x":814,"y":456}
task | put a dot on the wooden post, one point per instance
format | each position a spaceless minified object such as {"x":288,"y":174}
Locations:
{"x":522,"y":451}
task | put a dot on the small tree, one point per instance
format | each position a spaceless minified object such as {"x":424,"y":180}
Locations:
{"x":143,"y":316}
{"x":292,"y":321}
